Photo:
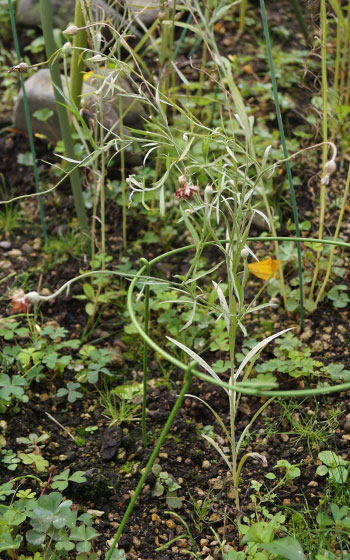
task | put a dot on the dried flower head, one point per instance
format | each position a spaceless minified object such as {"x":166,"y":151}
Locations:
{"x":19,"y":301}
{"x":186,"y":191}
{"x":21,"y":67}
{"x":329,"y":169}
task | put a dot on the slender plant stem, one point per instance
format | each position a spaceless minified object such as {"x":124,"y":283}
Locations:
{"x":47,"y":24}
{"x":28,"y":123}
{"x":347,"y":57}
{"x":336,"y":79}
{"x":242,"y":12}
{"x":285,"y":152}
{"x":77,"y":65}
{"x":122,"y":165}
{"x":171,"y":417}
{"x":324,"y":134}
{"x":145,"y":355}
{"x":340,"y":219}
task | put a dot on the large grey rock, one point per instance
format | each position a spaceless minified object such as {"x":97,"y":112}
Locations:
{"x":40,"y":94}
{"x":28,"y":12}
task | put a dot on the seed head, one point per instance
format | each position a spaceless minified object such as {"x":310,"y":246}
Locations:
{"x":67,"y":48}
{"x":208,"y":193}
{"x":244,"y":253}
{"x":21,"y":67}
{"x":71,"y":30}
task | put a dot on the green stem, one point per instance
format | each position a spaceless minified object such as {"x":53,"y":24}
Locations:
{"x":324,"y":134}
{"x":122,"y":165}
{"x":340,"y":219}
{"x":28,"y":123}
{"x":47,"y":24}
{"x":145,"y":355}
{"x":242,"y":12}
{"x":336,"y":80}
{"x":285,"y":152}
{"x":184,"y":390}
{"x":77,"y":65}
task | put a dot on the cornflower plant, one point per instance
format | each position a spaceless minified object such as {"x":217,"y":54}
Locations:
{"x":227,"y":200}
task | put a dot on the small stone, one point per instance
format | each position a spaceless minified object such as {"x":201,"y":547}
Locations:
{"x":313,"y":484}
{"x":284,"y":437}
{"x":170,"y":523}
{"x":45,"y":292}
{"x":117,"y":358}
{"x":155,"y":517}
{"x":15,"y":253}
{"x":306,"y":335}
{"x":62,"y":457}
{"x":347,"y":427}
{"x":136,"y":541}
{"x":206,"y":464}
{"x":316,"y":347}
{"x":163,"y":455}
{"x":5,"y":265}
{"x":95,"y":512}
{"x":28,"y":12}
{"x":26,"y":248}
{"x":286,"y":502}
{"x":40,"y":93}
{"x":346,"y":437}
{"x":121,"y":454}
{"x":203,"y":542}
{"x":37,"y":244}
{"x":5,"y":245}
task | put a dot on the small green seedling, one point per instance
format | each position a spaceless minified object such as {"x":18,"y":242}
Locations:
{"x":33,"y":440}
{"x":71,"y":392}
{"x":339,"y":295}
{"x":291,"y":472}
{"x":334,"y":465}
{"x":60,"y":481}
{"x":165,"y":483}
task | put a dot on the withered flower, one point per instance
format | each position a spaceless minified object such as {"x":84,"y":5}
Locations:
{"x":19,"y":301}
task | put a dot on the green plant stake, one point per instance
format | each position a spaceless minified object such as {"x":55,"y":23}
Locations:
{"x":47,"y":24}
{"x":28,"y":123}
{"x":285,"y":151}
{"x":184,"y":390}
{"x":145,"y":354}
